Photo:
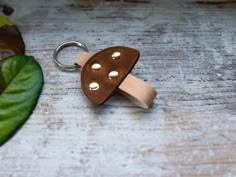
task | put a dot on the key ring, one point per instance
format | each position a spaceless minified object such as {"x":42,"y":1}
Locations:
{"x":62,"y":46}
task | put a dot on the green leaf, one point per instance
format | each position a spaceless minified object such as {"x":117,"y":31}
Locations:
{"x":23,"y":82}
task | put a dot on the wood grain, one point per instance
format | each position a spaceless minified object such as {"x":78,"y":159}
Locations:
{"x":188,"y":53}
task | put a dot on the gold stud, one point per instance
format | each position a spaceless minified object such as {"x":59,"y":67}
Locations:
{"x":115,"y":55}
{"x":93,"y":86}
{"x":113,"y":74}
{"x":96,"y":66}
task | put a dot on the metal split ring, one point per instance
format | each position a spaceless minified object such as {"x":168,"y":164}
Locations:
{"x":62,"y":46}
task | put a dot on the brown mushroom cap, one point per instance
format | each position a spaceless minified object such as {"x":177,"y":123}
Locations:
{"x":104,"y":72}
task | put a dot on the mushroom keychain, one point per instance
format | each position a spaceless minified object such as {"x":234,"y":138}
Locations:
{"x":108,"y":71}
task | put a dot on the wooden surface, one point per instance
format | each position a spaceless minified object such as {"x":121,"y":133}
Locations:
{"x":188,"y":53}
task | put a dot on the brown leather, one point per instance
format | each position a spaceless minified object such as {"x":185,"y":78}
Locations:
{"x":107,"y":86}
{"x":133,"y":88}
{"x":11,"y":41}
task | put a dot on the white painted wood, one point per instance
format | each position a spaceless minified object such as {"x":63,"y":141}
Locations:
{"x":188,"y":53}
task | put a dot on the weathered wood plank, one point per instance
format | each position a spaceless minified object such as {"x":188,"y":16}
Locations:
{"x":188,"y":53}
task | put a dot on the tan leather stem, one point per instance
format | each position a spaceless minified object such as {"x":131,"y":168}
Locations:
{"x":133,"y":88}
{"x":82,"y":59}
{"x":138,"y":91}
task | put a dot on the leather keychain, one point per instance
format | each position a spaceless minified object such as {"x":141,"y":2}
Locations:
{"x":108,"y":71}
